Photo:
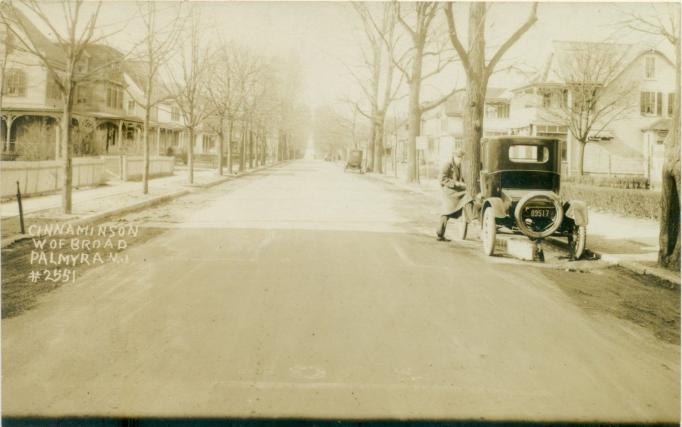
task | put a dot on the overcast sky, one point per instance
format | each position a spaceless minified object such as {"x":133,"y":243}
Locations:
{"x":326,"y":35}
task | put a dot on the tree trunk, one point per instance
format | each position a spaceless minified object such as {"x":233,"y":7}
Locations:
{"x":414,"y":113}
{"x":669,"y":237}
{"x":229,"y":147}
{"x":379,"y":142}
{"x":221,"y":144}
{"x":242,"y":149}
{"x":475,"y":98}
{"x":251,"y":147}
{"x":145,"y":143}
{"x":67,"y":178}
{"x":190,"y":155}
{"x":581,"y":157}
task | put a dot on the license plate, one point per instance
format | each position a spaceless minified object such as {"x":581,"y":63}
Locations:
{"x":541,"y":212}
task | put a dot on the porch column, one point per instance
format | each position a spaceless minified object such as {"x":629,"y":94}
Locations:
{"x":57,"y":140}
{"x":119,"y":136}
{"x":158,"y":140}
{"x":8,"y":120}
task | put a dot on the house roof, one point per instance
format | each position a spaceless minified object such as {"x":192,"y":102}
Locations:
{"x":39,"y":41}
{"x":556,"y":68}
{"x":454,"y":106}
{"x":660,"y":124}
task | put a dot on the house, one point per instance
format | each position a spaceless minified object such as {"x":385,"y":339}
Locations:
{"x":444,"y":126}
{"x":630,"y":141}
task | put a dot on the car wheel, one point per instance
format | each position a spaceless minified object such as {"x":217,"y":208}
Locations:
{"x":578,"y":241}
{"x":461,"y":227}
{"x":488,"y":231}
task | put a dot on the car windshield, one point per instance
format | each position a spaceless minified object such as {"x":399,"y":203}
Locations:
{"x":528,"y":154}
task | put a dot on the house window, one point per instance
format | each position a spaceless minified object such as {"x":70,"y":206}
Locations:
{"x":650,"y":103}
{"x":671,"y":103}
{"x":546,"y":99}
{"x":52,"y":90}
{"x":15,"y":83}
{"x":114,"y":97}
{"x":650,"y":68}
{"x":81,"y":95}
{"x":131,"y":106}
{"x":175,"y":114}
{"x":502,"y":111}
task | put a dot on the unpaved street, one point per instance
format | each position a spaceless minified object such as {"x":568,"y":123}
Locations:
{"x":302,"y":291}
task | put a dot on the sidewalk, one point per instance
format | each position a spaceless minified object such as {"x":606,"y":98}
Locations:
{"x":116,"y":197}
{"x":631,"y":243}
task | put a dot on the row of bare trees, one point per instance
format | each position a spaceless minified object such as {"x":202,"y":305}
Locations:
{"x":215,"y":85}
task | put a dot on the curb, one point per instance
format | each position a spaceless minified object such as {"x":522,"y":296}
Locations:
{"x":611,"y":259}
{"x":144,"y":204}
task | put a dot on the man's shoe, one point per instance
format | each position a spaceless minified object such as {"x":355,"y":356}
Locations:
{"x":442,"y":239}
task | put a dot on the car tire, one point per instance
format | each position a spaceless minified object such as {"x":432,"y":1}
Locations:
{"x":578,"y":241}
{"x":488,"y":231}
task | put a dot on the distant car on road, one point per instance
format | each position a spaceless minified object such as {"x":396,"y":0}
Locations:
{"x":520,"y":180}
{"x":354,"y":161}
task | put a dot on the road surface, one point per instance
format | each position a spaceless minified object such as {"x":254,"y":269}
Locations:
{"x":301,"y":291}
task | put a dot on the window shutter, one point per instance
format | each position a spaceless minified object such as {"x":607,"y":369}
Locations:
{"x":642,"y":102}
{"x":659,"y":106}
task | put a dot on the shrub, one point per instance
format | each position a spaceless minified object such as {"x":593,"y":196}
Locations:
{"x":623,"y":201}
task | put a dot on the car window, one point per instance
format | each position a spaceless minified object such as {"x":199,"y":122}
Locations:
{"x":528,"y":154}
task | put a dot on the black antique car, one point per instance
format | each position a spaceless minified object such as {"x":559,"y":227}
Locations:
{"x":354,"y":161}
{"x":520,"y":180}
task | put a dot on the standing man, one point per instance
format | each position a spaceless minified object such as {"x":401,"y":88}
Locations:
{"x":454,"y":192}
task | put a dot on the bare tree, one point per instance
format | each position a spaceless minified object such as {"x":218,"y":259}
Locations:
{"x":591,"y":97}
{"x":664,"y":21}
{"x":478,"y":73}
{"x":224,"y":97}
{"x":425,"y":47}
{"x":74,"y":32}
{"x":159,"y":43}
{"x":381,"y":89}
{"x":191,"y":81}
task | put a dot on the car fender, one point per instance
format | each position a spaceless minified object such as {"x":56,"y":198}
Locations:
{"x":577,"y":211}
{"x":498,"y":205}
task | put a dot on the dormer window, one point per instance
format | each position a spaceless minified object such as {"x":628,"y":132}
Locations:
{"x":650,"y":67}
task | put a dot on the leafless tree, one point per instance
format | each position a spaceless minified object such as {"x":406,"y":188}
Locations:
{"x":381,"y":89}
{"x":190,"y":80}
{"x":74,"y":31}
{"x":591,"y":97}
{"x":478,"y":73}
{"x":225,"y":98}
{"x":426,"y":47}
{"x":663,"y":20}
{"x":160,"y":40}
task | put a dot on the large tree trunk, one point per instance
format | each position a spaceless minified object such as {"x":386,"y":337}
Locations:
{"x":242,"y":149}
{"x":251,"y":147}
{"x":414,"y":113}
{"x":669,"y":237}
{"x":475,"y":93}
{"x":379,"y":142}
{"x":67,"y":178}
{"x":145,"y":143}
{"x":190,"y":155}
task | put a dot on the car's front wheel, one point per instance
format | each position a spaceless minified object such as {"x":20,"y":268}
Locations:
{"x":577,"y":241}
{"x":488,"y":231}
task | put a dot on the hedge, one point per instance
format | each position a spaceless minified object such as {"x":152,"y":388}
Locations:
{"x":628,"y":202}
{"x":632,"y":181}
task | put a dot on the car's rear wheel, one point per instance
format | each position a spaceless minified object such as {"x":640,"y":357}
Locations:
{"x":578,"y":241}
{"x":488,"y":231}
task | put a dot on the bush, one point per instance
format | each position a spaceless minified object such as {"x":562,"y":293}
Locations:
{"x":623,"y":201}
{"x":621,"y":181}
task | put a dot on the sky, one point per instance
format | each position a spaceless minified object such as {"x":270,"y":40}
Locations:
{"x":325,"y":37}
